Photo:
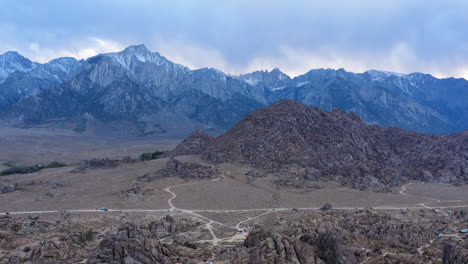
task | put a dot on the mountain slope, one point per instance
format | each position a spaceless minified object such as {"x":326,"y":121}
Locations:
{"x":416,"y":102}
{"x":143,"y":89}
{"x":20,"y":84}
{"x":12,"y":61}
{"x":298,"y":143}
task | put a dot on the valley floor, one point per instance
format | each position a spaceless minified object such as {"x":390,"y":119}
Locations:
{"x":63,"y":189}
{"x":220,"y":206}
{"x":42,"y":145}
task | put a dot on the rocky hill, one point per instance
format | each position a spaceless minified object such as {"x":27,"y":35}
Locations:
{"x":300,"y":143}
{"x":194,"y":144}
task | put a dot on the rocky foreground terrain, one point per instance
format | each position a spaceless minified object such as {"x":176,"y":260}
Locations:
{"x":299,"y":143}
{"x":183,"y":209}
{"x":333,"y":236}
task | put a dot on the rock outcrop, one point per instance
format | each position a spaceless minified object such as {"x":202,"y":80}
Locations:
{"x":9,"y":188}
{"x":184,"y":170}
{"x":137,"y":189}
{"x":453,"y":254}
{"x":297,"y":237}
{"x":266,"y":247}
{"x":131,"y":245}
{"x":105,"y":163}
{"x":97,"y":164}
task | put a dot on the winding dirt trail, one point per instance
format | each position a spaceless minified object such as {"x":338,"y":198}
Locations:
{"x":239,"y":236}
{"x":209,"y":225}
{"x":168,"y":189}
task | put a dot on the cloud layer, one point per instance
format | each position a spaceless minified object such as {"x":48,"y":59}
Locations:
{"x":240,"y":36}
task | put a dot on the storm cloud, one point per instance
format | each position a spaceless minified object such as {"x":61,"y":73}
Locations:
{"x":241,"y":36}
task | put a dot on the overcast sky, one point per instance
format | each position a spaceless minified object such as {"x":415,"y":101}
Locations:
{"x":240,"y":36}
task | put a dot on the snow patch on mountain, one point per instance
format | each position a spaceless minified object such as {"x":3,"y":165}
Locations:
{"x":381,"y":75}
{"x":251,"y":81}
{"x":142,"y":54}
{"x":12,"y":61}
{"x":268,"y":78}
{"x":278,"y":88}
{"x":302,"y":84}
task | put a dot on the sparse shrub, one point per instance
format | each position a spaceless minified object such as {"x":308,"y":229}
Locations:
{"x":326,"y":207}
{"x":21,"y":170}
{"x":9,"y":164}
{"x":89,"y":235}
{"x":151,"y":155}
{"x":128,"y":159}
{"x":55,"y":164}
{"x":25,"y":169}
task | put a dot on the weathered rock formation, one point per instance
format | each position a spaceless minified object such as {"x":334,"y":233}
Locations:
{"x":105,"y":163}
{"x":299,"y":237}
{"x":267,"y":247}
{"x":9,"y":188}
{"x":97,"y":164}
{"x":137,"y":189}
{"x":184,"y":170}
{"x":453,"y":254}
{"x":131,"y":245}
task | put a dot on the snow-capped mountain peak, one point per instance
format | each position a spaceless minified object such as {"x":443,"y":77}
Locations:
{"x":265,"y":77}
{"x":12,"y":61}
{"x":64,"y":65}
{"x":137,"y":83}
{"x":380,"y":75}
{"x":141,"y":54}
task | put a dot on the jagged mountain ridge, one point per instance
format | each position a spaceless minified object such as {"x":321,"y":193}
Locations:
{"x":147,"y":89}
{"x":300,"y":143}
{"x":12,"y":61}
{"x":418,"y":102}
{"x":266,"y":78}
{"x":144,"y":88}
{"x":20,"y":84}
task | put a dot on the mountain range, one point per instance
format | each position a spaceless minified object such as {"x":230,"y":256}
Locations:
{"x":141,"y":89}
